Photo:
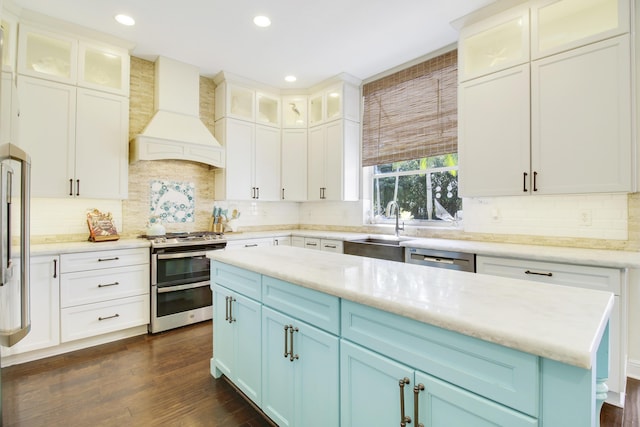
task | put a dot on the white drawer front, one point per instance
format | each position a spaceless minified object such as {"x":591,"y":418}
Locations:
{"x":104,"y":317}
{"x":581,"y":276}
{"x":84,"y":287}
{"x":332,"y":246}
{"x":103,"y":259}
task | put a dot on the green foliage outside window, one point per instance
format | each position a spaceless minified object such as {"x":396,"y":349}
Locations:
{"x":425,"y":189}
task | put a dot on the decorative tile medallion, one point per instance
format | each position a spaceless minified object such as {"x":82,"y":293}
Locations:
{"x":172,"y":201}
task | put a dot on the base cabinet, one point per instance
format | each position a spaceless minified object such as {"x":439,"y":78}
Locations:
{"x":372,"y":390}
{"x":320,"y":360}
{"x":236,"y":340}
{"x":45,"y":306}
{"x":294,"y":385}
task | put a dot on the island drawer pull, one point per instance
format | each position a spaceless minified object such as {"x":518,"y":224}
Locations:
{"x":404,"y":419}
{"x":538,"y":274}
{"x":416,"y":392}
{"x":286,"y":349}
{"x":108,"y":317}
{"x":292,"y":357}
{"x":100,"y":285}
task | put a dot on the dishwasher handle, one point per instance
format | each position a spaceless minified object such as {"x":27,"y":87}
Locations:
{"x":438,"y":260}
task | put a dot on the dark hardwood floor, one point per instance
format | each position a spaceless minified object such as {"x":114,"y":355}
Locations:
{"x":155,"y":380}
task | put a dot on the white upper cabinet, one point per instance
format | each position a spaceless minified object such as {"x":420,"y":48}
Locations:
{"x":241,"y":102}
{"x":336,"y":101}
{"x":550,"y":122}
{"x":494,"y":44}
{"x":65,"y":59}
{"x":567,"y":24}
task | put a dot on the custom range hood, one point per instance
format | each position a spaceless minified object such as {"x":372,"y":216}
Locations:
{"x":175,"y":131}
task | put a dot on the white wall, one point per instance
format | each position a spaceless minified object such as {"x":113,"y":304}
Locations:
{"x":596,"y":216}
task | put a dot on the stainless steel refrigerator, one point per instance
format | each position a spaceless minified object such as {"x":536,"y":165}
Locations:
{"x":15,"y":318}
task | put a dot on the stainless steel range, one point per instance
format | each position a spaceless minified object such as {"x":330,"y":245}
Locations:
{"x":180,"y":275}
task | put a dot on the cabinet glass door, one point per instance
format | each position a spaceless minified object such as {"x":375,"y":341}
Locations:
{"x":315,"y":110}
{"x":102,"y":68}
{"x":294,"y":112}
{"x":334,"y":103}
{"x":241,"y":102}
{"x":49,"y":56}
{"x":565,"y":24}
{"x":495,"y":44}
{"x":268,"y":110}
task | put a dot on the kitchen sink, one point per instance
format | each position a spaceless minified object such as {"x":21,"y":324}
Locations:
{"x":377,"y":247}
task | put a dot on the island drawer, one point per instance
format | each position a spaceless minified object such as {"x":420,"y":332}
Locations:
{"x":237,"y":279}
{"x":316,"y":308}
{"x":100,"y":318}
{"x":498,"y":373}
{"x":84,"y":287}
{"x":93,"y":260}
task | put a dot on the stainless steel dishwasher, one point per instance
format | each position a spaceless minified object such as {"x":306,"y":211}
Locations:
{"x":441,"y":259}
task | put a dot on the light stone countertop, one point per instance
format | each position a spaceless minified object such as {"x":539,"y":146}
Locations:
{"x":86,"y":246}
{"x":580,"y":256}
{"x":556,"y":322}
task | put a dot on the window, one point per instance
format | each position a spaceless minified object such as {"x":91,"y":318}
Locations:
{"x":410,"y":141}
{"x":425,"y":189}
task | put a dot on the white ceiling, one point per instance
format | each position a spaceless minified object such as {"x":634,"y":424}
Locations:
{"x":314,"y":40}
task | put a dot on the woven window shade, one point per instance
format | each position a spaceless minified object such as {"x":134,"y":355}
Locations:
{"x":413,"y":113}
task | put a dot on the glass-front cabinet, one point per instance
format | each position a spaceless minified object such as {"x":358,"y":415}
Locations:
{"x":268,"y":109}
{"x":47,"y":55}
{"x":52,"y":56}
{"x":494,"y":44}
{"x":103,"y":68}
{"x":240,"y":101}
{"x":560,"y":25}
{"x":294,"y":111}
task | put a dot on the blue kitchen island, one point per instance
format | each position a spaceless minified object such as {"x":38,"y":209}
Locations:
{"x":325,"y":339}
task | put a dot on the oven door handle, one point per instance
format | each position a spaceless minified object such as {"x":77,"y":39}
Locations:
{"x":182,"y":255}
{"x":162,"y":290}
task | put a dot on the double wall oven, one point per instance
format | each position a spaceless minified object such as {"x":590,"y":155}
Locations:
{"x":180,"y":277}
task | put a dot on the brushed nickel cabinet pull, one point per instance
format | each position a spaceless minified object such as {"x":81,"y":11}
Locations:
{"x":108,"y":284}
{"x":331,"y":246}
{"x":286,"y":349}
{"x":226,"y":309}
{"x":77,"y":187}
{"x":109,"y":317}
{"x":70,"y":187}
{"x":108,"y":259}
{"x":231,"y":301}
{"x":538,"y":274}
{"x":416,"y":392}
{"x":404,"y":420}
{"x":292,"y":356}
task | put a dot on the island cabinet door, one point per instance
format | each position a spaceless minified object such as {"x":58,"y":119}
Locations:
{"x":441,"y":404}
{"x":300,"y":372}
{"x":374,"y":389}
{"x":236,"y":341}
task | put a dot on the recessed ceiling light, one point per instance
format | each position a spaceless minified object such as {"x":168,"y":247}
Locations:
{"x":125,"y":20}
{"x":262,"y":21}
{"x":290,"y":79}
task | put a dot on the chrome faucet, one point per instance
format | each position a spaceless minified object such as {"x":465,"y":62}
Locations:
{"x":390,"y":206}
